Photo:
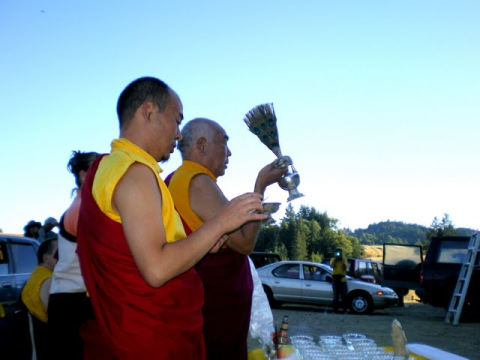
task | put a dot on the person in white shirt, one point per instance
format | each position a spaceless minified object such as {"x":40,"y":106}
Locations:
{"x":69,"y":306}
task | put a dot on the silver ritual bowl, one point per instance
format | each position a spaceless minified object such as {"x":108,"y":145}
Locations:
{"x":290,"y":182}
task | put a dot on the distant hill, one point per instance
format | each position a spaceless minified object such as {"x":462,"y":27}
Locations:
{"x":397,"y":232}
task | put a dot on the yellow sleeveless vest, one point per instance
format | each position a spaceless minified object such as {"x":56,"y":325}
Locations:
{"x":179,"y":185}
{"x":31,"y":292}
{"x":112,"y":168}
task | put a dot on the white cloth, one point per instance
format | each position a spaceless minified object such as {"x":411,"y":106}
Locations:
{"x":67,"y":277}
{"x":261,"y":317}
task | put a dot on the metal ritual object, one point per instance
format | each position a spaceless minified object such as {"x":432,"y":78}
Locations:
{"x":269,"y":209}
{"x":262,"y":122}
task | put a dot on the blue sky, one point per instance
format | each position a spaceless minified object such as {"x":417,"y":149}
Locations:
{"x":377,"y":101}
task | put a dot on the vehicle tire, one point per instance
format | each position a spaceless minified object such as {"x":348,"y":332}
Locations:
{"x":273,"y":303}
{"x":360,"y":302}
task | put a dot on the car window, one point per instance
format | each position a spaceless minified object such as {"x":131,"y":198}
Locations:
{"x":290,"y":271}
{"x":362,"y":268}
{"x":312,"y":272}
{"x":24,"y":257}
{"x":3,"y":259}
{"x":375,"y":270}
{"x":452,"y":252}
{"x":397,"y":254}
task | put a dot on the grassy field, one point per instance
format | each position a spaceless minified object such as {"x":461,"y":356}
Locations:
{"x":373,"y":252}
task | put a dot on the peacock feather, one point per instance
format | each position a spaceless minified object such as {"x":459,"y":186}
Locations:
{"x":261,"y":121}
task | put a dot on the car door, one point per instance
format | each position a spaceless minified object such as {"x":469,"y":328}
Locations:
{"x":315,"y":288}
{"x":402,"y":265}
{"x":7,"y":280}
{"x":286,"y":283}
{"x":21,"y":255}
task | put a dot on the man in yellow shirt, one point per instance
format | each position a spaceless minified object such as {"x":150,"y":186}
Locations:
{"x":35,"y":296}
{"x":339,"y":265}
{"x":37,"y":289}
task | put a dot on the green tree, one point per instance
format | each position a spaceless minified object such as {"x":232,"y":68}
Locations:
{"x":368,"y":239}
{"x":281,"y":250}
{"x":268,"y":239}
{"x":314,"y":241}
{"x":357,"y":249}
{"x":316,"y":257}
{"x":287,"y":231}
{"x":310,"y":234}
{"x":444,"y":227}
{"x":299,"y":244}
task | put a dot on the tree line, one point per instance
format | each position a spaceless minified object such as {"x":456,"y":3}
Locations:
{"x":312,"y":235}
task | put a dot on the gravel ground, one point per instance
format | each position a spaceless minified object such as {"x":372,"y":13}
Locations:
{"x":422,"y":324}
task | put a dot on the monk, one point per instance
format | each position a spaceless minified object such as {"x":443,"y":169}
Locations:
{"x":136,"y":261}
{"x":226,"y":275}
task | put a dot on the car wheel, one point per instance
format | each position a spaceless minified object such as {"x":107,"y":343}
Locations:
{"x":273,"y":303}
{"x":360,"y":303}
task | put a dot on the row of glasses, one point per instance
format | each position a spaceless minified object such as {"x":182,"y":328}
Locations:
{"x":351,"y":346}
{"x":308,"y":348}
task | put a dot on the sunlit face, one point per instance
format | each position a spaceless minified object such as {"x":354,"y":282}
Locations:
{"x":167,"y":128}
{"x":219,"y":152}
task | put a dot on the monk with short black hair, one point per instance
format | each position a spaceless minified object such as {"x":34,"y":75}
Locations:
{"x":136,"y":261}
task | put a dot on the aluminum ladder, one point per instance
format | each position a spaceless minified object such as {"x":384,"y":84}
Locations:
{"x":461,"y":289}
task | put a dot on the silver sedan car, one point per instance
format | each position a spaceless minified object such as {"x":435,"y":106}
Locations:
{"x":305,"y":282}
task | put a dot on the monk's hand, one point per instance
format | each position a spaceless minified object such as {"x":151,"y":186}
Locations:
{"x":270,"y":174}
{"x":282,"y":162}
{"x":238,"y":211}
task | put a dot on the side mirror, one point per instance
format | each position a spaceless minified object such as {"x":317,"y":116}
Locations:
{"x":329,"y":278}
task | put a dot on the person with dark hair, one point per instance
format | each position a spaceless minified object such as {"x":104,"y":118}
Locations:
{"x":45,"y":232}
{"x":35,"y":296}
{"x":135,"y":259}
{"x":31,"y":229}
{"x":69,"y":307}
{"x":339,"y":265}
{"x":226,"y":274}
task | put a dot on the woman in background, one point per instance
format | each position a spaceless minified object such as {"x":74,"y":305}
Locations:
{"x":69,"y":307}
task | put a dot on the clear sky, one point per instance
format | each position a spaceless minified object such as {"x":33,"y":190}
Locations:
{"x":378,"y":102}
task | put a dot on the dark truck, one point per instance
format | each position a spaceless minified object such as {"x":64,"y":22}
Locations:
{"x":434,"y":278}
{"x":439,"y":275}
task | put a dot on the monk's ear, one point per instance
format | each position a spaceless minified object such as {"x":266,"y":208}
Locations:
{"x":147,"y":109}
{"x":200,"y":146}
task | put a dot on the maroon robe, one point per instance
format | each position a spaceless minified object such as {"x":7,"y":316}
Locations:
{"x":133,"y":319}
{"x":228,"y":286}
